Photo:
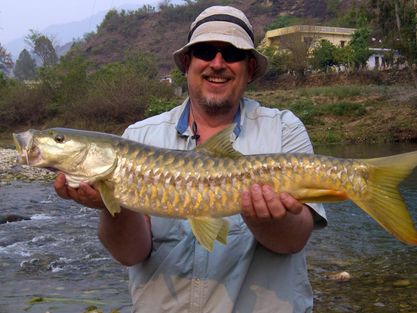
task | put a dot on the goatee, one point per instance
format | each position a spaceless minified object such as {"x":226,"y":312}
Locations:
{"x":214,"y":107}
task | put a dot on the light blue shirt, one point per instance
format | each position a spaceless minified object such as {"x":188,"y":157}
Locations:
{"x":240,"y":277}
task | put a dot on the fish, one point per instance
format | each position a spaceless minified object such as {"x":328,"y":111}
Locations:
{"x":204,"y":185}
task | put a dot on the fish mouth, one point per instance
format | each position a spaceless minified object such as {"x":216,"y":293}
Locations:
{"x":27,"y":151}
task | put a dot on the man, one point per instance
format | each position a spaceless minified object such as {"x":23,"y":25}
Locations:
{"x":262,"y":268}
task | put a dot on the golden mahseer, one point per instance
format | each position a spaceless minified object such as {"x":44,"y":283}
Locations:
{"x":205,"y":184}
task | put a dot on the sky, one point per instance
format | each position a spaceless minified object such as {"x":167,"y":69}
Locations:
{"x":17,"y":17}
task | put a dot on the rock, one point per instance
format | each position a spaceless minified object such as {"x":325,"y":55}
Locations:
{"x":9,"y":218}
{"x":341,"y":276}
{"x":401,"y":283}
{"x":10,"y":170}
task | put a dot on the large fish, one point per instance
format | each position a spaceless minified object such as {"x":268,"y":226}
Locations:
{"x":203,"y":185}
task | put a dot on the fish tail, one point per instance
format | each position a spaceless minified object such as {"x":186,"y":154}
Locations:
{"x":383,"y":201}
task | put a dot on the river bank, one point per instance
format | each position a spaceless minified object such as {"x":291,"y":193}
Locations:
{"x":10,"y":170}
{"x":345,"y":114}
{"x":337,"y":114}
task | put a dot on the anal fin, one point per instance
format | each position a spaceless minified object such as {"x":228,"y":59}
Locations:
{"x":206,"y":230}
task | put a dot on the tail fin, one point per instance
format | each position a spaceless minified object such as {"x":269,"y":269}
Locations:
{"x":384,"y":202}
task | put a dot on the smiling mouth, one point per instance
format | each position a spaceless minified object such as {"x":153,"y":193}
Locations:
{"x":216,"y":79}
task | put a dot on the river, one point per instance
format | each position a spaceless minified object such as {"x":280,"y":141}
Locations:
{"x":56,"y":255}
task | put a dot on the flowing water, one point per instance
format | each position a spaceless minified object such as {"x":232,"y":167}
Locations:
{"x":383,"y":270}
{"x":56,"y":255}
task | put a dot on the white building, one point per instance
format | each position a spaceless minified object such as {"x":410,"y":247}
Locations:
{"x":378,"y":58}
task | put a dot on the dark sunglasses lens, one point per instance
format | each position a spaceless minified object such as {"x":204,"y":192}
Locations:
{"x":204,"y":52}
{"x":207,"y":53}
{"x":232,"y":54}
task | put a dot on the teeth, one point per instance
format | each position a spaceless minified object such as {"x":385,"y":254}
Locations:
{"x":216,"y":79}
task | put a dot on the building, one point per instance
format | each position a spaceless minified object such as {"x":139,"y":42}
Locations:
{"x":378,"y":58}
{"x":285,"y":37}
{"x":310,"y":34}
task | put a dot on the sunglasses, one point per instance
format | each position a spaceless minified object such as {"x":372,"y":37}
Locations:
{"x":208,"y":52}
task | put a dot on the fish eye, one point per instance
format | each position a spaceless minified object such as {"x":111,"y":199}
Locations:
{"x":59,"y":138}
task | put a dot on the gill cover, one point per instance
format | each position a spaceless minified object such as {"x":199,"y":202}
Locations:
{"x":91,"y":157}
{"x":83,"y":156}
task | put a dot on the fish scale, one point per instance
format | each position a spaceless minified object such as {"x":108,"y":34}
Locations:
{"x":205,"y":184}
{"x":212,"y":186}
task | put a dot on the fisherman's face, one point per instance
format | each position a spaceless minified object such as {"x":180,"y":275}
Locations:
{"x":217,"y":75}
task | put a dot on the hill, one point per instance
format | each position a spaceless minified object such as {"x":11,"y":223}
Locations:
{"x":162,"y":31}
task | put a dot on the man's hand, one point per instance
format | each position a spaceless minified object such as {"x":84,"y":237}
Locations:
{"x":278,"y":221}
{"x":84,"y":194}
{"x":262,"y":204}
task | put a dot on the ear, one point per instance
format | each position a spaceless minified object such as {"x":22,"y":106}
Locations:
{"x":251,"y":69}
{"x":187,"y":62}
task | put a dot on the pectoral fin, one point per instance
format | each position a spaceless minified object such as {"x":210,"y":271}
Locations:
{"x":107,"y":195}
{"x":207,"y":229}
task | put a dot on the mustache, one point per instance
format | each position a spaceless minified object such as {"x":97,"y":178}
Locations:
{"x":221,"y":73}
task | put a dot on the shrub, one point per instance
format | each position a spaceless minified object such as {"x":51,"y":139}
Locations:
{"x":118,"y":94}
{"x":23,"y":106}
{"x":305,"y":110}
{"x":158,"y":105}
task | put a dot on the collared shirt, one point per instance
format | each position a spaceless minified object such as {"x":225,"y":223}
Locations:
{"x":242,"y":276}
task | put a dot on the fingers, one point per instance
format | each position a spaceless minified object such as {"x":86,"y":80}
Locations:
{"x":290,"y":203}
{"x":88,"y":196}
{"x":263,"y":204}
{"x":84,"y":194}
{"x":60,"y":186}
{"x":276,"y":207}
{"x":259,"y":203}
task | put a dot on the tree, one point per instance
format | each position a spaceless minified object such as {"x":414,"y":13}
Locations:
{"x":343,"y":56}
{"x":323,"y":55}
{"x":299,"y":50}
{"x":144,"y":64}
{"x":43,"y":47}
{"x":278,"y":61}
{"x":360,"y":47}
{"x":397,"y":20}
{"x":25,"y":68}
{"x":6,"y":62}
{"x":178,"y":78}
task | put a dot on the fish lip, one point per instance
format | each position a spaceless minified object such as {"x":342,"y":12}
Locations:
{"x":17,"y":143}
{"x":27,"y":151}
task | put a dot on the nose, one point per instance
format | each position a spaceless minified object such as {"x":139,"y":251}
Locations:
{"x":218,"y":61}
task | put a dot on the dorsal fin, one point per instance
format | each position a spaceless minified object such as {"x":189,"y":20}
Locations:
{"x":219,"y":145}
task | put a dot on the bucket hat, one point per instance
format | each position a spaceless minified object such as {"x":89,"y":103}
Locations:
{"x":224,"y":24}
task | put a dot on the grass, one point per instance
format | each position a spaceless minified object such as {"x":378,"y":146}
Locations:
{"x":349,"y":113}
{"x":339,"y":92}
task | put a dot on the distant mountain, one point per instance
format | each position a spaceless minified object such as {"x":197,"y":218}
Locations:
{"x":66,"y":33}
